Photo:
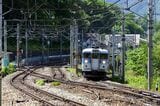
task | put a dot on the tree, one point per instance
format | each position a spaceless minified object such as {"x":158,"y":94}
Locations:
{"x":132,"y":25}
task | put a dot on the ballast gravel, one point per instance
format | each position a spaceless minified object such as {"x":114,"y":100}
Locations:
{"x":13,"y":97}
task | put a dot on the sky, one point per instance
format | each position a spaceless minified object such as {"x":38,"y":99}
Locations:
{"x":141,"y":8}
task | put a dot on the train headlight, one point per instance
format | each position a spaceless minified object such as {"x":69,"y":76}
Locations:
{"x":86,"y":61}
{"x":104,"y":62}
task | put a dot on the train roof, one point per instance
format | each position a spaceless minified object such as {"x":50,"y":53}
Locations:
{"x":90,"y":50}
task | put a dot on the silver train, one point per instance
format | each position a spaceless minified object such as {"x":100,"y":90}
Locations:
{"x":95,"y":62}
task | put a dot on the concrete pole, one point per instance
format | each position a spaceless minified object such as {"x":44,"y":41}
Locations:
{"x":71,"y":45}
{"x":0,"y":46}
{"x":61,"y":45}
{"x":26,"y":51}
{"x":150,"y":34}
{"x":76,"y":44}
{"x":0,"y":26}
{"x":123,"y":49}
{"x":5,"y":37}
{"x":43,"y":46}
{"x":113,"y":50}
{"x":18,"y":53}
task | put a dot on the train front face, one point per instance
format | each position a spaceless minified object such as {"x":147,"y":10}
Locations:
{"x":94,"y":62}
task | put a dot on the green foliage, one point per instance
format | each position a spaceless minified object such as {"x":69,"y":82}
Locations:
{"x":90,"y":14}
{"x":55,"y":83}
{"x":156,"y":52}
{"x":136,"y":81}
{"x":40,"y":82}
{"x":140,"y":81}
{"x":4,"y":71}
{"x":131,"y":25}
{"x":157,"y":27}
{"x":156,"y":38}
{"x":8,"y":70}
{"x":73,"y":70}
{"x":137,"y":60}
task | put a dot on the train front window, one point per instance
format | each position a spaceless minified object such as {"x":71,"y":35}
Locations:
{"x":87,"y":55}
{"x":95,"y":55}
{"x":104,"y":56}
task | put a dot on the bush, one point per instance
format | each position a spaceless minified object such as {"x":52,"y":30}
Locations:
{"x":137,"y":60}
{"x":55,"y":83}
{"x":11,"y":68}
{"x":4,"y":71}
{"x":40,"y":82}
{"x":8,"y":70}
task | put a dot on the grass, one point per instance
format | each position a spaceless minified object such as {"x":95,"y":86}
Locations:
{"x":140,"y":82}
{"x":40,"y":82}
{"x":55,"y":83}
{"x":73,"y":70}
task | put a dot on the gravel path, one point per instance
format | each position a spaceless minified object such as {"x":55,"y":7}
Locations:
{"x":13,"y":97}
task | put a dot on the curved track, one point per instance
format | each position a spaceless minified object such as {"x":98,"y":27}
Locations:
{"x":148,"y":96}
{"x":44,"y":97}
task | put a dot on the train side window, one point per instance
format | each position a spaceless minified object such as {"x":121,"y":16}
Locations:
{"x":104,"y":56}
{"x":87,"y":55}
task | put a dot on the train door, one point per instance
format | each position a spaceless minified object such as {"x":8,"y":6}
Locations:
{"x":95,"y":61}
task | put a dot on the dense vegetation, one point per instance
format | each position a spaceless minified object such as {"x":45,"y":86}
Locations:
{"x":137,"y":63}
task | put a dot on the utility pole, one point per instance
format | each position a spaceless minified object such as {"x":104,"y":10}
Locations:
{"x":150,"y":34}
{"x":113,"y":50}
{"x":82,"y":39}
{"x":1,"y":26}
{"x":5,"y":57}
{"x":76,"y":44}
{"x":61,"y":45}
{"x":123,"y":49}
{"x":42,"y":46}
{"x":71,"y":45}
{"x":18,"y":53}
{"x":0,"y":46}
{"x":26,"y":51}
{"x":5,"y":38}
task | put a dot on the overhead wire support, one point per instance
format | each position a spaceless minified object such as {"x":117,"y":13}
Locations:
{"x":150,"y":45}
{"x":134,"y":3}
{"x":123,"y":49}
{"x":18,"y":42}
{"x":1,"y":26}
{"x":128,"y":8}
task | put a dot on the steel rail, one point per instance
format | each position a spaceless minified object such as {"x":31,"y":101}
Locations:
{"x":16,"y":79}
{"x":133,"y":92}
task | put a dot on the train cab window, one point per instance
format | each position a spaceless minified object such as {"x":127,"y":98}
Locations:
{"x":95,"y":55}
{"x":86,"y":55}
{"x":104,"y":56}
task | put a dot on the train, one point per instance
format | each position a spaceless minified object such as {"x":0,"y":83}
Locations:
{"x":95,"y":62}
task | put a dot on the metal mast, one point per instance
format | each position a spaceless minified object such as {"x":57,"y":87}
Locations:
{"x":71,"y":45}
{"x":123,"y":48}
{"x":113,"y":50}
{"x":76,"y":44}
{"x":1,"y":26}
{"x":5,"y":38}
{"x":18,"y":53}
{"x":150,"y":34}
{"x":26,"y":48}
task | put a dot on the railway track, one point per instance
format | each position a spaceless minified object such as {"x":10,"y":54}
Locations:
{"x":44,"y":97}
{"x":120,"y":86}
{"x":148,"y":96}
